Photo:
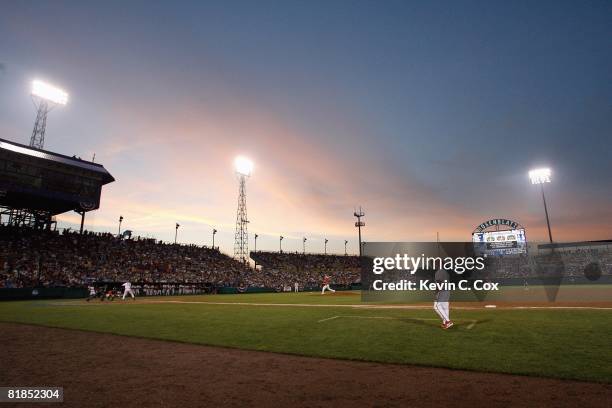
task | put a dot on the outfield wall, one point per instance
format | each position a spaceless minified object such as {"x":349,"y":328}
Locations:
{"x":42,"y":293}
{"x":79,"y":293}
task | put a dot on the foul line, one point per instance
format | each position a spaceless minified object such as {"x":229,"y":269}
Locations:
{"x":329,"y":318}
{"x":563,"y":307}
{"x":469,"y":326}
{"x":293,"y":304}
{"x":367,"y":306}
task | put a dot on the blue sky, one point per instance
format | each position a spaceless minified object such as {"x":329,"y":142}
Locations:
{"x":429,"y":114}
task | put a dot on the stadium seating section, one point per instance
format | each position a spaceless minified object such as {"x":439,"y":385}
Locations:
{"x":30,"y":257}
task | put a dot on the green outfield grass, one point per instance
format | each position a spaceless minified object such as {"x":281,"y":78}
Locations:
{"x":572,"y":344}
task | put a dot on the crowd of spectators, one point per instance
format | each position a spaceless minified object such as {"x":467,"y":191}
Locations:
{"x":30,"y":257}
{"x":34,"y":257}
{"x":568,"y":263}
{"x":307,"y":270}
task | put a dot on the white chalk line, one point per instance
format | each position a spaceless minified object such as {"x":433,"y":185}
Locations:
{"x":563,"y":307}
{"x":353,"y":306}
{"x":368,"y":306}
{"x":471,"y":322}
{"x":329,"y":318}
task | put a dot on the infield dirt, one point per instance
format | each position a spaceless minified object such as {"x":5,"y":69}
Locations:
{"x":100,"y":370}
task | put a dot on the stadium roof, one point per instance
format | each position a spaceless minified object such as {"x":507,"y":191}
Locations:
{"x":56,"y":157}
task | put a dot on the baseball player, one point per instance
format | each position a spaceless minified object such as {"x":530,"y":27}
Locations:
{"x":127,"y":289}
{"x":92,"y":292}
{"x":326,"y":281}
{"x":296,"y":287}
{"x":442,"y":297}
{"x":107,"y":294}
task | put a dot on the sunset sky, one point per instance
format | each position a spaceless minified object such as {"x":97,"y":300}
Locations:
{"x":427,"y":114}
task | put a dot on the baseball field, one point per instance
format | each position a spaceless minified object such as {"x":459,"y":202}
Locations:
{"x":549,"y":340}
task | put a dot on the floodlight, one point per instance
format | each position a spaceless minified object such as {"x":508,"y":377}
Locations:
{"x":244,"y":166}
{"x":540,"y":176}
{"x":49,"y":92}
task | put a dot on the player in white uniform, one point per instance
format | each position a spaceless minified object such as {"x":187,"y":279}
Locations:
{"x":441,"y":305}
{"x":92,"y":292}
{"x":128,"y":289}
{"x":296,"y":286}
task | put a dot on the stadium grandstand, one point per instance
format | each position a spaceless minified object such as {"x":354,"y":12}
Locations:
{"x":41,"y":258}
{"x":306,"y":269}
{"x":574,"y":264}
{"x":31,"y":257}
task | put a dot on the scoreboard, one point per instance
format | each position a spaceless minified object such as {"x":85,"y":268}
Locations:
{"x":507,"y":242}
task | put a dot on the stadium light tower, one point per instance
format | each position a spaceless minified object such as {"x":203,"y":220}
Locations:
{"x":359,"y":224}
{"x":45,"y":98}
{"x":244,"y":168}
{"x":541,"y":176}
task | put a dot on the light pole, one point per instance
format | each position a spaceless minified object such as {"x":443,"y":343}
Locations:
{"x":541,"y":176}
{"x":256,"y":236}
{"x":359,"y":224}
{"x":345,"y":242}
{"x":45,"y":98}
{"x":304,"y":245}
{"x":214,"y":232}
{"x":244,"y":168}
{"x":120,"y":221}
{"x":176,"y":231}
{"x":280,"y":244}
{"x":326,"y":241}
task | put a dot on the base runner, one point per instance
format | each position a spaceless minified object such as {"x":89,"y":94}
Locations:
{"x":441,"y":305}
{"x":326,"y":281}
